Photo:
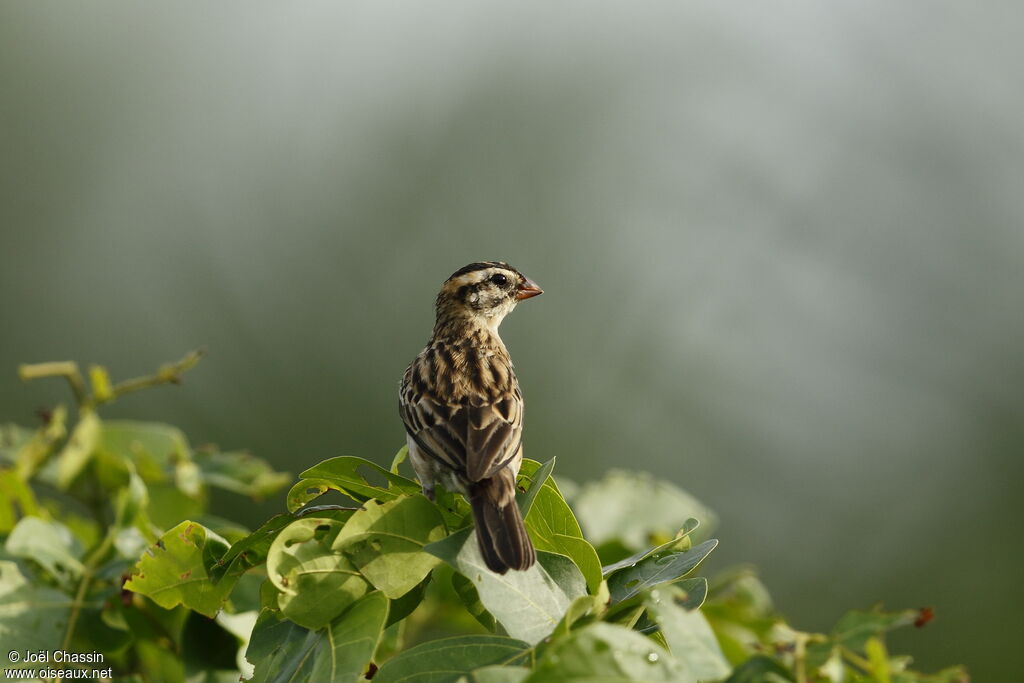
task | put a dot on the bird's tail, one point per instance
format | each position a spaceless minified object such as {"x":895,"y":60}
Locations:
{"x":500,"y":531}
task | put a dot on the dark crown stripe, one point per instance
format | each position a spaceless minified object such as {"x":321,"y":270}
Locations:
{"x":480,"y":265}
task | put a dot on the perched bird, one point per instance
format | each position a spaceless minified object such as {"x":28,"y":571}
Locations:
{"x":463,"y":410}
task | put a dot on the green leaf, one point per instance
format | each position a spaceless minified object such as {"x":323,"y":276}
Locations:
{"x":691,"y":593}
{"x":340,"y":653}
{"x":399,"y":458}
{"x":176,"y":571}
{"x":497,"y":674}
{"x":553,"y":527}
{"x":760,"y":669}
{"x":466,"y":590}
{"x":537,"y":475}
{"x":32,"y":617}
{"x":631,"y":581}
{"x":581,"y":608}
{"x":636,"y":509}
{"x":50,"y":545}
{"x":240,"y":473}
{"x":16,"y":500}
{"x":12,"y":438}
{"x":447,"y":659}
{"x":252,"y":549}
{"x":343,"y":474}
{"x":404,"y":605}
{"x":79,"y":448}
{"x":680,"y":542}
{"x":385,"y":542}
{"x":879,"y":659}
{"x":316,"y":583}
{"x":34,"y":451}
{"x":529,"y":604}
{"x":855,"y":627}
{"x":155,"y":448}
{"x":606,"y":652}
{"x":688,"y":635}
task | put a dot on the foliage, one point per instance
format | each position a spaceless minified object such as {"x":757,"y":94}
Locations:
{"x":108,"y":547}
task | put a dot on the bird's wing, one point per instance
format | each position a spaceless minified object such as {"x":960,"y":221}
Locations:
{"x":475,"y":437}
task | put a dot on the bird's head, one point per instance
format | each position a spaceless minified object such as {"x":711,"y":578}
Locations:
{"x":483,"y":293}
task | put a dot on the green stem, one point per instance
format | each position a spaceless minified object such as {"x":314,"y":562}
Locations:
{"x":167,"y":374}
{"x":800,"y":657}
{"x":855,"y":659}
{"x":91,"y":564}
{"x":65,"y":368}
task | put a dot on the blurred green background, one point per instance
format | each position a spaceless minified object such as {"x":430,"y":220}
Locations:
{"x":782,"y":251}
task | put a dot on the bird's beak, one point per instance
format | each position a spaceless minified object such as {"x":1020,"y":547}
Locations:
{"x":527,"y":289}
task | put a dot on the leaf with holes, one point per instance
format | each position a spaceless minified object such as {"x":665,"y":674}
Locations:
{"x":385,"y":542}
{"x":631,"y":581}
{"x":315,"y":583}
{"x":343,"y":474}
{"x":176,"y":571}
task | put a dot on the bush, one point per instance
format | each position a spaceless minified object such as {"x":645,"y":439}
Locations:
{"x":109,"y":549}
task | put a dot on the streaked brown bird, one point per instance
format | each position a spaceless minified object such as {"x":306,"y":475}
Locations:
{"x":463,"y":410}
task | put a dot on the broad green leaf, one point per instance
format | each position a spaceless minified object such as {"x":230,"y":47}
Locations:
{"x":343,"y":474}
{"x":606,"y":652}
{"x":529,"y":604}
{"x":879,"y":660}
{"x":691,"y":593}
{"x":552,"y":526}
{"x":385,"y":542}
{"x":176,"y":571}
{"x":155,"y":448}
{"x":855,"y":627}
{"x":241,"y":626}
{"x":497,"y":674}
{"x":339,"y":653}
{"x":32,"y":617}
{"x":316,"y":583}
{"x":680,"y":542}
{"x":581,"y":608}
{"x":537,"y":476}
{"x":241,"y":473}
{"x":16,"y":500}
{"x":34,"y":451}
{"x":636,"y":509}
{"x":631,"y":581}
{"x":466,"y":590}
{"x":688,"y":635}
{"x":79,"y":448}
{"x":12,"y":438}
{"x":252,"y":549}
{"x":49,"y":544}
{"x":760,"y":669}
{"x":447,"y":659}
{"x":404,"y":605}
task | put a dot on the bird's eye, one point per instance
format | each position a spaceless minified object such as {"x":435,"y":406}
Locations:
{"x":499,"y":279}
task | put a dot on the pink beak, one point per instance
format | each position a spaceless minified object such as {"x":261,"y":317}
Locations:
{"x":528,"y":289}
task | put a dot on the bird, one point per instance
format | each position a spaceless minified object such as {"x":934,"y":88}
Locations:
{"x":462,"y":408}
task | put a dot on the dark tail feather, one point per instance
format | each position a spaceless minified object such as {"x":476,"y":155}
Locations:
{"x":500,"y":531}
